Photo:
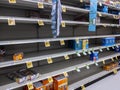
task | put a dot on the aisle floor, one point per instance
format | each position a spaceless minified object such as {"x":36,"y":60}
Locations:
{"x":110,"y":83}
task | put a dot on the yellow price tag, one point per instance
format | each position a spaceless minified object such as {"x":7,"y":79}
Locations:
{"x":63,"y":24}
{"x":41,"y":23}
{"x":29,"y":64}
{"x":99,"y":14}
{"x":103,"y":61}
{"x":66,"y":57}
{"x":40,"y":5}
{"x":65,"y":74}
{"x":81,"y":0}
{"x":62,"y":42}
{"x":115,"y":71}
{"x":30,"y":86}
{"x":104,"y":25}
{"x":64,"y":9}
{"x":77,"y":40}
{"x":47,"y":44}
{"x":11,"y":22}
{"x":50,"y":79}
{"x":12,"y":1}
{"x":49,"y":60}
{"x":83,"y":87}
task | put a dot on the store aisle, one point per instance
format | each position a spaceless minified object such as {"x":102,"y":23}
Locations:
{"x":109,"y":83}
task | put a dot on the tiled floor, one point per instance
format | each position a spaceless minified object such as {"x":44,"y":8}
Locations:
{"x":110,"y":83}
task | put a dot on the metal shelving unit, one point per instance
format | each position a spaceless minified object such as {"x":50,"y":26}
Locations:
{"x":30,"y":3}
{"x":34,"y":57}
{"x":4,"y":19}
{"x":13,"y":42}
{"x":56,"y":69}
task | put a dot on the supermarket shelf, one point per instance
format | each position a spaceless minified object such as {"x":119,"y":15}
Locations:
{"x":13,"y":42}
{"x":56,"y":69}
{"x":30,"y":3}
{"x":89,"y":79}
{"x":99,"y":1}
{"x":48,"y":21}
{"x":40,"y":56}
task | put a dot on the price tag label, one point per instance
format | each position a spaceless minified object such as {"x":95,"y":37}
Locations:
{"x":50,"y":79}
{"x":104,"y":25}
{"x":103,"y":61}
{"x":89,"y":52}
{"x":83,"y":87}
{"x":11,"y":22}
{"x":96,"y":64}
{"x":64,"y":9}
{"x":12,"y":1}
{"x":47,"y":44}
{"x":93,"y":50}
{"x":99,"y":14}
{"x":30,"y":86}
{"x":66,"y":57}
{"x":108,"y":48}
{"x":117,"y":46}
{"x":84,"y":53}
{"x":62,"y":42}
{"x":100,"y":3}
{"x":115,"y":71}
{"x":77,"y":40}
{"x":87,"y":66}
{"x":65,"y":74}
{"x":29,"y":64}
{"x":49,"y":60}
{"x":81,"y":1}
{"x":40,"y":23}
{"x":115,"y":16}
{"x":116,"y":57}
{"x":113,"y":47}
{"x":40,"y":5}
{"x":101,"y":50}
{"x":112,"y":59}
{"x":77,"y":69}
{"x":78,"y":54}
{"x":63,"y":24}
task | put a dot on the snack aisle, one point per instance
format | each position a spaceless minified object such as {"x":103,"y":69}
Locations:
{"x":58,"y":44}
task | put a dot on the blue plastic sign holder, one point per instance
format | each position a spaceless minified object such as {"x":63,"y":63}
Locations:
{"x":92,"y":15}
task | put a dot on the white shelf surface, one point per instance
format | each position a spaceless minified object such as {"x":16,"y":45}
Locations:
{"x":13,"y":42}
{"x":4,"y":19}
{"x":89,"y":79}
{"x":30,"y":3}
{"x":40,"y":56}
{"x":56,"y":69}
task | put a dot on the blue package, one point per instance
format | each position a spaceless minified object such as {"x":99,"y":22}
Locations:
{"x":105,"y":9}
{"x":117,"y":49}
{"x":76,"y":46}
{"x":114,"y":12}
{"x":94,"y":56}
{"x":108,"y":41}
{"x":87,"y":7}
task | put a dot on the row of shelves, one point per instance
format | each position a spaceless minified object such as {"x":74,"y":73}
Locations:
{"x":12,"y":21}
{"x":58,"y":68}
{"x":27,"y":41}
{"x":34,"y":4}
{"x":40,"y":56}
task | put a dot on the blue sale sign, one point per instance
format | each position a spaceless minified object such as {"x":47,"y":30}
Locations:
{"x":92,"y":15}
